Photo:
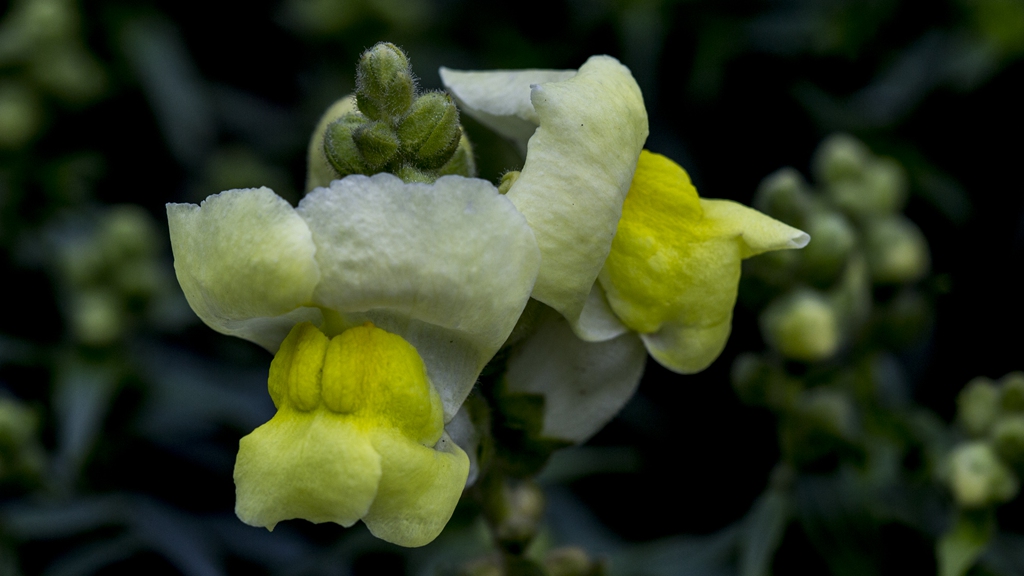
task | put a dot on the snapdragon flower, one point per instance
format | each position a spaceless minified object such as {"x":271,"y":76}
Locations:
{"x":382,"y":301}
{"x":629,"y":252}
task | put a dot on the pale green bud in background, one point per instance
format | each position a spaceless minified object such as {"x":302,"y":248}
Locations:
{"x":339,"y":147}
{"x":978,"y":406}
{"x":515,"y":510}
{"x":784,"y":195}
{"x":68,"y":72}
{"x":97,"y":318}
{"x":840,"y":157}
{"x":377,"y":144}
{"x":1008,"y":439}
{"x":21,"y":115}
{"x":828,"y":410}
{"x":1013,"y":392}
{"x":128,"y":231}
{"x":896,"y":249}
{"x":385,"y":86}
{"x":978,"y":478}
{"x":880,"y":188}
{"x":832,"y":240}
{"x":802,"y":325}
{"x":20,"y":452}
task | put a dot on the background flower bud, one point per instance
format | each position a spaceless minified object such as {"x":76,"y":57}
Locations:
{"x":896,"y":250}
{"x":977,"y":477}
{"x":802,"y":326}
{"x":840,"y":157}
{"x":784,"y":195}
{"x":978,"y":406}
{"x":1013,"y":392}
{"x":832,"y":239}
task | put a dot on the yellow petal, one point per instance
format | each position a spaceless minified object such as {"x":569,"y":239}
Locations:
{"x":313,"y":465}
{"x":674,"y":267}
{"x":419,"y":488}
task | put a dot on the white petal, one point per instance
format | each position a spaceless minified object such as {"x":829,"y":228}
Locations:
{"x":500,"y":99}
{"x":319,"y":171}
{"x":598,"y":321}
{"x":578,"y":170}
{"x":448,"y":266}
{"x":245,"y":261}
{"x":584,"y":384}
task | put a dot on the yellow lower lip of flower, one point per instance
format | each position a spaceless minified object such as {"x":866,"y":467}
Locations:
{"x":674,"y":267}
{"x":359,"y":434}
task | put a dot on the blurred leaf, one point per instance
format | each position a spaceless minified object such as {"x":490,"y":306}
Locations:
{"x":92,"y":557}
{"x":81,"y":398}
{"x":31,"y":521}
{"x":711,"y":555}
{"x":1005,"y":554}
{"x":835,"y":521}
{"x":576,"y":462}
{"x":159,"y":58}
{"x":182,"y":539}
{"x":961,"y":546}
{"x":763,"y":530}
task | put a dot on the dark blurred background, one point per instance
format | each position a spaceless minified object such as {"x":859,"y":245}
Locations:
{"x":124,"y":411}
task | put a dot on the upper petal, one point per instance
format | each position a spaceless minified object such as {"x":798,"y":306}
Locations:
{"x":674,"y":267}
{"x":500,"y":99}
{"x":578,"y":170}
{"x":448,"y":266}
{"x":245,"y":261}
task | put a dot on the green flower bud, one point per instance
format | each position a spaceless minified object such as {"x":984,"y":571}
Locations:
{"x":783,"y":195}
{"x":832,"y":239}
{"x":802,"y":325}
{"x":829,"y":411}
{"x":462,"y":162}
{"x":377,"y":143}
{"x":515,"y":510}
{"x":128,"y":231}
{"x":881,"y":189}
{"x":340,"y":148}
{"x":1013,"y":392}
{"x":21,"y":115}
{"x":978,"y":406}
{"x":432,"y":122}
{"x":412,"y":174}
{"x":840,"y":157}
{"x":978,"y":478}
{"x":507,"y":180}
{"x":1008,"y":439}
{"x":896,"y":249}
{"x":385,"y":86}
{"x":97,"y":318}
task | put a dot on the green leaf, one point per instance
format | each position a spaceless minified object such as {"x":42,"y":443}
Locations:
{"x":961,"y":546}
{"x":765,"y":526}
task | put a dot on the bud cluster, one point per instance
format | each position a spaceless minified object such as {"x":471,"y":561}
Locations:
{"x":414,"y":136}
{"x":821,"y":296}
{"x":831,"y":312}
{"x":985,"y":469}
{"x":44,"y":57}
{"x":111,"y":269}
